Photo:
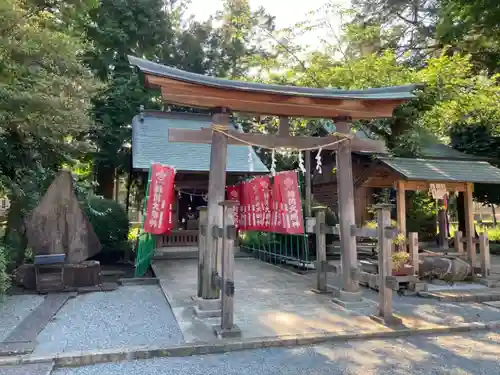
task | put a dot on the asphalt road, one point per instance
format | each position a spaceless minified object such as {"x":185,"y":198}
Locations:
{"x":477,"y":353}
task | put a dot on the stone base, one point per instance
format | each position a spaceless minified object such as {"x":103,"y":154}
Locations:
{"x":352,"y":305}
{"x":392,"y":321}
{"x":317,"y":291}
{"x":489,"y":282}
{"x":233,"y":332}
{"x":207,"y":308}
{"x":207,"y":304}
{"x":350,"y":300}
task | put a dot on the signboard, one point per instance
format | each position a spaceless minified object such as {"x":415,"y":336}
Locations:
{"x":160,"y":198}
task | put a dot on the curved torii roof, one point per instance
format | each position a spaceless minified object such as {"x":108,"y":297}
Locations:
{"x":196,"y":90}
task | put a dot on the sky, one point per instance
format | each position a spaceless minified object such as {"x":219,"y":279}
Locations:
{"x":287,"y":12}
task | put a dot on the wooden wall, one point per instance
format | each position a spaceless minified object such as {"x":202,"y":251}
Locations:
{"x":367,"y":174}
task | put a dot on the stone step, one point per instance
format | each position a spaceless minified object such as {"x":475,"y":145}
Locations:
{"x":476,"y":295}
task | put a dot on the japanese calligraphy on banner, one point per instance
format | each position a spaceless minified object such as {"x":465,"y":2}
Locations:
{"x":269,"y":207}
{"x":286,"y":197}
{"x":160,"y":199}
{"x":233,"y":194}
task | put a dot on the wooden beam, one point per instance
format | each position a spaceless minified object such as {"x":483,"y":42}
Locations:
{"x":284,"y":127}
{"x":270,"y":141}
{"x":401,"y":207}
{"x":321,"y":282}
{"x":469,"y":224}
{"x":272,"y":103}
{"x":216,"y":194}
{"x":345,"y":190}
{"x":308,"y":182}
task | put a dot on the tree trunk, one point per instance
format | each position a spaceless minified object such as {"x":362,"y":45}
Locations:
{"x":105,"y":177}
{"x":15,"y":233}
{"x":129,"y":187}
{"x":493,"y":212}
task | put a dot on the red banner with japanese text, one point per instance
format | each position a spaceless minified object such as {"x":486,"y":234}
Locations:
{"x":160,"y":198}
{"x":269,"y":207}
{"x":233,"y":194}
{"x":287,"y":205}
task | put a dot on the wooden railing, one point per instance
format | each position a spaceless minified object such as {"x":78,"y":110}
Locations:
{"x":178,"y":238}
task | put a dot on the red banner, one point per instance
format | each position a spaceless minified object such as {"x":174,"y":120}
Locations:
{"x":265,"y":207}
{"x":160,"y":198}
{"x":287,"y":203}
{"x":233,"y":194}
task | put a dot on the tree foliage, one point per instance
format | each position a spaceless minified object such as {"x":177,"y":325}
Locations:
{"x":45,"y":96}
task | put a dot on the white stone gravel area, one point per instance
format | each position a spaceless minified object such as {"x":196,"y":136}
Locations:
{"x":469,"y":354}
{"x":14,"y":309}
{"x":129,"y":316}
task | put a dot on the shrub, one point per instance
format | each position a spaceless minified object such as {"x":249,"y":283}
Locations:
{"x":4,"y":277}
{"x":110,"y":222}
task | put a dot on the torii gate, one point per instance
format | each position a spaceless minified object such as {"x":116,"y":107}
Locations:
{"x":223,"y":96}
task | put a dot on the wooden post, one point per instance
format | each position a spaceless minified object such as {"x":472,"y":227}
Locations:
{"x":401,"y":207}
{"x":202,"y":246}
{"x":413,"y":242}
{"x":484,"y":251}
{"x":469,"y":224}
{"x":443,"y":238}
{"x":284,"y":127}
{"x":459,"y":242}
{"x":216,"y":194}
{"x":385,"y":315}
{"x":308,"y":183}
{"x":321,"y":285}
{"x":227,"y":327}
{"x":345,"y":186}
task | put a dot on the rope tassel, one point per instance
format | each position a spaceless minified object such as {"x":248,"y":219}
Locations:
{"x":250,"y":159}
{"x":301,"y":163}
{"x":273,"y":162}
{"x":318,"y":162}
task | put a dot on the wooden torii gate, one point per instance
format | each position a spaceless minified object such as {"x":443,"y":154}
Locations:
{"x":225,"y":96}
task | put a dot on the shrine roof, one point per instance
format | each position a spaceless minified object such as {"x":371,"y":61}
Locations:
{"x":384,"y":93}
{"x":150,"y":144}
{"x":444,"y":170}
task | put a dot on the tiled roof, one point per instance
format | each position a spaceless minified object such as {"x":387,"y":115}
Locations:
{"x":150,"y":144}
{"x":444,"y":170}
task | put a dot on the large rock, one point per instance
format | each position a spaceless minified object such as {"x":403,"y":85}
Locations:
{"x":444,"y":268}
{"x":58,"y":225}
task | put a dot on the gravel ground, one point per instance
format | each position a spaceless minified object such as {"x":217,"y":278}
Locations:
{"x":129,"y":316}
{"x":14,"y":309}
{"x":467,"y":354}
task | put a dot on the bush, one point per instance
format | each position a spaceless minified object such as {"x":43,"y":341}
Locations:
{"x":4,"y":277}
{"x":110,"y":222}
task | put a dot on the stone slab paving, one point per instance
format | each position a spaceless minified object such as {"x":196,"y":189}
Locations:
{"x":34,"y":369}
{"x":468,"y":354}
{"x":29,"y":328}
{"x":270,"y":301}
{"x":129,"y":316}
{"x":14,"y":309}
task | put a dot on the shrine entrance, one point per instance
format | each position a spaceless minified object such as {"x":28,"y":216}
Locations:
{"x":221,"y":96}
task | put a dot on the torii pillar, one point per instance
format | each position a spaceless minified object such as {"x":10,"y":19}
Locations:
{"x":350,"y":293}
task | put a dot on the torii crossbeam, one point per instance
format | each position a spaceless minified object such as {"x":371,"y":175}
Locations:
{"x":223,"y":96}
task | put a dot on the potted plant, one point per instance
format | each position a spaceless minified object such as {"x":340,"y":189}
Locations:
{"x":400,"y":266}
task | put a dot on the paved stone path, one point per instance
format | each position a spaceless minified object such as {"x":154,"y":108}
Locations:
{"x":471,"y":354}
{"x":270,"y":301}
{"x":129,"y":316}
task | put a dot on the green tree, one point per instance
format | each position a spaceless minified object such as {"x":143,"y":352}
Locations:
{"x":45,"y":96}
